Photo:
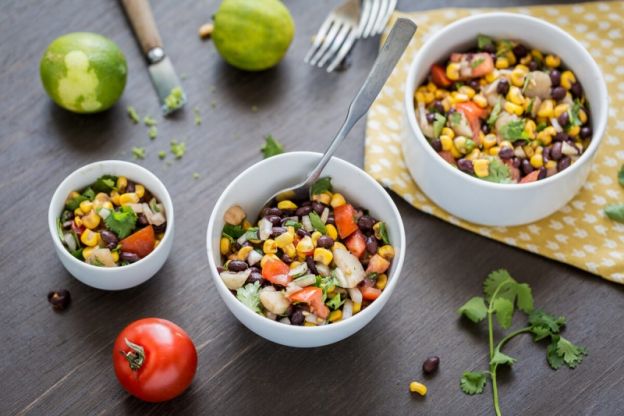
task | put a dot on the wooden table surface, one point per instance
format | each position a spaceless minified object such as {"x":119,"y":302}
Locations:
{"x":60,"y":363}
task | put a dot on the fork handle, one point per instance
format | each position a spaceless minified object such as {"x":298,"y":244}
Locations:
{"x":398,"y":39}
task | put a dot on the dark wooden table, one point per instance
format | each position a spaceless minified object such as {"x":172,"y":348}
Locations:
{"x":60,"y":363}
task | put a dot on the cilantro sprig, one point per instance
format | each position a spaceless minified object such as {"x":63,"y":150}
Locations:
{"x":249,"y":295}
{"x":502,"y":296}
{"x":121,"y":222}
{"x":271,"y":147}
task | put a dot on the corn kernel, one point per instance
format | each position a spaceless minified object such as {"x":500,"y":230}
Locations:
{"x":517,"y":77}
{"x":546,"y":109}
{"x":290,"y":250}
{"x":515,"y":95}
{"x":122,"y":182}
{"x":492,"y":76}
{"x":537,"y":54}
{"x":481,"y":167}
{"x":243,"y":253}
{"x":335,"y":316}
{"x":305,"y":246}
{"x":323,"y":255}
{"x":420,"y":97}
{"x":440,"y":94}
{"x":86,"y":206}
{"x":86,"y":252}
{"x":539,"y":149}
{"x":381,"y":282}
{"x":429,"y":97}
{"x":489,"y":140}
{"x":287,"y":205}
{"x":455,"y":152}
{"x":537,"y":161}
{"x":468,"y":91}
{"x":552,"y":61}
{"x":224,"y":246}
{"x":513,"y":108}
{"x":551,"y":164}
{"x":480,"y":100}
{"x":502,"y":63}
{"x":139,"y":190}
{"x":574,"y":130}
{"x":475,"y":154}
{"x":356,"y":307}
{"x":337,"y":200}
{"x":560,"y":109}
{"x":446,"y":142}
{"x":115,"y":254}
{"x":283,"y":240}
{"x":72,"y":195}
{"x":128,"y":198}
{"x":108,"y":205}
{"x":338,"y":244}
{"x":582,"y":115}
{"x":78,"y":221}
{"x":315,"y":236}
{"x":493,"y":151}
{"x":91,"y":220}
{"x":386,"y":251}
{"x":306,"y":323}
{"x":431,"y":87}
{"x":460,"y":143}
{"x":529,"y":128}
{"x":90,"y":238}
{"x":446,"y":103}
{"x":567,"y":79}
{"x":294,"y":264}
{"x":269,"y":247}
{"x":511,"y":58}
{"x":526,"y":60}
{"x":324,"y":198}
{"x":448,"y":132}
{"x":459,"y":97}
{"x":115,"y":197}
{"x":416,"y":387}
{"x":452,"y":71}
{"x":268,"y":257}
{"x":528,"y":150}
{"x":291,"y":230}
{"x":331,"y":231}
{"x":78,"y":212}
{"x":246,"y":224}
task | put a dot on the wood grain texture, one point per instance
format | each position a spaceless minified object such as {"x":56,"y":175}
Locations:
{"x":60,"y":364}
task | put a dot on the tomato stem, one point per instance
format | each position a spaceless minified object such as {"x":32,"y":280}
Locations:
{"x":135,"y":357}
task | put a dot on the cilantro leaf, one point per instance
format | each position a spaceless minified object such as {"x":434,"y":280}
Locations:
{"x":498,"y":172}
{"x":573,"y":112}
{"x":504,"y":310}
{"x":438,"y":124}
{"x":292,"y":223}
{"x":494,"y":280}
{"x":233,"y":231}
{"x":476,"y":62}
{"x":524,"y":297}
{"x":381,"y":232}
{"x":615,"y":212}
{"x":73,"y":203}
{"x":572,"y":354}
{"x":104,"y":183}
{"x":474,"y":309}
{"x":621,"y":176}
{"x":335,"y":302}
{"x":484,"y":41}
{"x":321,"y":185}
{"x":251,"y":234}
{"x":552,"y":356}
{"x":543,"y":324}
{"x":455,"y":118}
{"x":472,"y":382}
{"x":494,"y":114}
{"x":500,"y":358}
{"x":271,"y":147}
{"x":89,"y":194}
{"x":514,"y":131}
{"x":317,"y":223}
{"x":249,"y":295}
{"x":121,"y":222}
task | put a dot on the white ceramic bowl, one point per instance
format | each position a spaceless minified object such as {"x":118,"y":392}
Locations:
{"x":112,"y":278}
{"x":485,"y":202}
{"x":251,"y":189}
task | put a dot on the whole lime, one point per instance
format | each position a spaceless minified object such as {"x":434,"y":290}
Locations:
{"x":83,"y":72}
{"x":253,"y":34}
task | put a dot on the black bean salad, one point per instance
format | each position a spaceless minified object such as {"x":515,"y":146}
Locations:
{"x":112,"y":222}
{"x":504,"y":113}
{"x":310,"y":263}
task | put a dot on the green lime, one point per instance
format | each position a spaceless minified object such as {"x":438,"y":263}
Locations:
{"x":83,"y":72}
{"x":253,"y":34}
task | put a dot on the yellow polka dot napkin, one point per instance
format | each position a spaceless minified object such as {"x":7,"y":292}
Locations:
{"x":579,"y":234}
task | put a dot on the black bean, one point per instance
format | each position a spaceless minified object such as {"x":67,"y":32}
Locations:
{"x":311,"y":265}
{"x":318,"y":207}
{"x":564,"y":163}
{"x":325,"y":241}
{"x":555,"y":151}
{"x":558,"y":93}
{"x":366,"y":223}
{"x":532,"y":66}
{"x":437,"y":145}
{"x":60,"y":299}
{"x":430,"y":117}
{"x":516,"y":162}
{"x":526,"y":166}
{"x":255,"y":277}
{"x":130,"y":187}
{"x":142,"y":220}
{"x":560,"y":137}
{"x":286,"y":258}
{"x":302,"y":233}
{"x":274,"y":219}
{"x":301,"y":211}
{"x":555,"y":78}
{"x":430,"y":365}
{"x":220,"y":269}
{"x":542,"y":173}
{"x":563,"y":119}
{"x":473,"y":83}
{"x":503,"y":86}
{"x":109,"y":238}
{"x":485,"y":128}
{"x":586,"y":132}
{"x":576,"y":90}
{"x":67,"y":215}
{"x":506,"y":153}
{"x":546,"y":154}
{"x":274,"y":211}
{"x":129,"y":257}
{"x":331,"y":220}
{"x":520,"y":51}
{"x":255,"y":269}
{"x":296,"y":317}
{"x":306,"y":203}
{"x":465,"y":165}
{"x":371,"y":244}
{"x":67,"y":224}
{"x":438,"y":106}
{"x":490,"y":48}
{"x":237,"y":266}
{"x":160,"y":228}
{"x":277,"y":231}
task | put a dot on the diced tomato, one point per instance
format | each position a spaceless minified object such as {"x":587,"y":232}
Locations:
{"x":438,"y":76}
{"x":377,"y":264}
{"x":473,"y":113}
{"x":313,"y":296}
{"x":531,"y":177}
{"x":370,"y":293}
{"x":485,"y":64}
{"x":276,"y":271}
{"x":446,"y":155}
{"x":356,"y":243}
{"x":344,"y":216}
{"x":78,"y":229}
{"x":456,"y":57}
{"x":140,"y":243}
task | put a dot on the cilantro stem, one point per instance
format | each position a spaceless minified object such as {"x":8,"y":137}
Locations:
{"x":510,"y":336}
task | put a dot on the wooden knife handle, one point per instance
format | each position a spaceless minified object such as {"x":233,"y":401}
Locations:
{"x":140,"y":15}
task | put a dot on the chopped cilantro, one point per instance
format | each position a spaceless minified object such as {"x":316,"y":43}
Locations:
{"x":473,"y":382}
{"x":574,"y":114}
{"x":134,"y":116}
{"x":175,"y":99}
{"x":73,"y":203}
{"x":149,"y":121}
{"x":152,"y":132}
{"x":249,"y":295}
{"x":317,"y":223}
{"x":326,"y":283}
{"x":484,"y":41}
{"x":321,"y":185}
{"x":498,"y":172}
{"x":271,"y":147}
{"x":438,"y":124}
{"x":494,"y":114}
{"x":381,"y":232}
{"x":122,"y":221}
{"x":541,"y":126}
{"x":89,"y":193}
{"x":198,"y":118}
{"x":292,"y":223}
{"x":104,"y":183}
{"x":251,"y":234}
{"x":476,"y":62}
{"x":178,"y":148}
{"x":138,"y":152}
{"x":504,"y":46}
{"x":513,"y":131}
{"x":233,"y":231}
{"x":335,"y":302}
{"x":455,"y":118}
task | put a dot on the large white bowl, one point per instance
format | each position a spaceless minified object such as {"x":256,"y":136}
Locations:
{"x":485,"y":202}
{"x":112,"y":278}
{"x":251,"y":189}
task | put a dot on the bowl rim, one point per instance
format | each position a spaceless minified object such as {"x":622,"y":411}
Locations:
{"x":52,"y":216}
{"x":599,"y":121}
{"x":262,"y":320}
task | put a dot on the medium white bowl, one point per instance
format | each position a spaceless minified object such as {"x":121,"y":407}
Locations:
{"x":485,"y":202}
{"x":112,"y":278}
{"x":251,"y":189}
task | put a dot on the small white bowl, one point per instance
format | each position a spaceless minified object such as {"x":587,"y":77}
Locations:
{"x":112,"y":278}
{"x":251,"y":189}
{"x":485,"y":202}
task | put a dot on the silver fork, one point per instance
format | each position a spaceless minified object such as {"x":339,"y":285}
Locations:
{"x":375,"y":15}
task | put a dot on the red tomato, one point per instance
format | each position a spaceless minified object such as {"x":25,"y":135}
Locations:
{"x":485,"y":64}
{"x":377,"y":264}
{"x":438,"y":76}
{"x":370,"y":293}
{"x":276,"y":271}
{"x":473,"y":113}
{"x":313,"y":296}
{"x":154,"y":359}
{"x":448,"y":156}
{"x":531,"y":177}
{"x":356,"y":243}
{"x":344,"y":216}
{"x":140,"y":243}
